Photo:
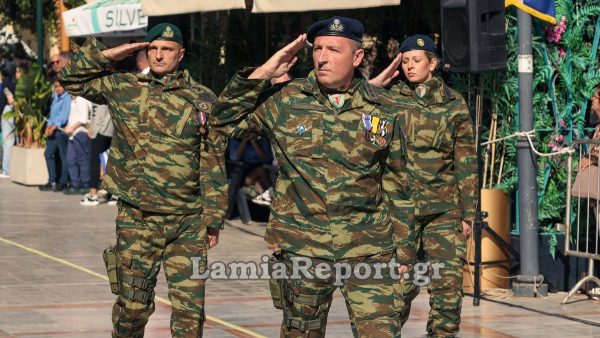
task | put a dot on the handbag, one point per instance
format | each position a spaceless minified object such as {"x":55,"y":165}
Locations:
{"x":586,"y":183}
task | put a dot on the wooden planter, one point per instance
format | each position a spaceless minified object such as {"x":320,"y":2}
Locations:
{"x":28,"y":166}
{"x":497,"y":205}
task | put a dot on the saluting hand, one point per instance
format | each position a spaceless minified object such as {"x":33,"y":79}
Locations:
{"x":387,"y":75}
{"x":281,"y":62}
{"x":120,"y":52}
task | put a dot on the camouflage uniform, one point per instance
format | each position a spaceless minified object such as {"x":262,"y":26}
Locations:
{"x":331,"y":198}
{"x":166,"y":202}
{"x":443,"y":169}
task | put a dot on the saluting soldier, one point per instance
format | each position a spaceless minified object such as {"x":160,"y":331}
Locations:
{"x":341,"y":191}
{"x":168,"y":209}
{"x":442,"y":165}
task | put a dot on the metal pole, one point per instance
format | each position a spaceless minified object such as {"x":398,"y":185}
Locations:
{"x":478,"y":216}
{"x":528,"y":283}
{"x":40,"y":35}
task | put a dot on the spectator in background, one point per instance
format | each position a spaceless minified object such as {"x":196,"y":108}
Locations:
{"x":100,"y":132}
{"x":141,"y":62}
{"x":57,"y":62}
{"x":254,"y":153}
{"x":78,"y":147}
{"x":57,"y":139}
{"x":7,"y":101}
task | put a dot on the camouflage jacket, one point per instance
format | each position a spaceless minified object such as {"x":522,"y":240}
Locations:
{"x":338,"y":194}
{"x":157,"y":148}
{"x":441,"y":149}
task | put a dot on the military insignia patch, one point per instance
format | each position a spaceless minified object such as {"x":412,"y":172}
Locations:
{"x":336,"y":26}
{"x":337,"y":100}
{"x":300,"y":129}
{"x":420,"y":42}
{"x":168,"y":33}
{"x":201,"y":116}
{"x":421,"y":90}
{"x":202,"y":105}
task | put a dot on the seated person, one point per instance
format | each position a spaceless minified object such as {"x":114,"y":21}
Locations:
{"x":254,"y":154}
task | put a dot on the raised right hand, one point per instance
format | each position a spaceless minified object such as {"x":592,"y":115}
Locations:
{"x":281,"y":62}
{"x":120,"y":52}
{"x":388,"y":74}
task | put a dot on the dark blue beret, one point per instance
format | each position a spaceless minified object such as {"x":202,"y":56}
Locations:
{"x":336,"y":26}
{"x":418,"y":42}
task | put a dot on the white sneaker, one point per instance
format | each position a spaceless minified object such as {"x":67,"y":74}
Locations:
{"x":4,"y":175}
{"x":90,"y":200}
{"x":264,"y":198}
{"x":113,"y":200}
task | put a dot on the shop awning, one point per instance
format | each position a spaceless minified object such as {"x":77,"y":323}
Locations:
{"x":106,"y":18}
{"x":268,"y":6}
{"x":169,"y":7}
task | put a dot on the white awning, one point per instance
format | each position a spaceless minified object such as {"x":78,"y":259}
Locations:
{"x":106,"y":18}
{"x":169,"y":7}
{"x":268,"y":6}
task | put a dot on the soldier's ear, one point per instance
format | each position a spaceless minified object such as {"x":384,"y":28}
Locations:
{"x":181,"y":54}
{"x":358,"y":57}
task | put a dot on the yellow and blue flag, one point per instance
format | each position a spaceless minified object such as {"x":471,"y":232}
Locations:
{"x":541,"y":9}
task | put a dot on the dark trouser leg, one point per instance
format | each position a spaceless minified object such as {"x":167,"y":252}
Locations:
{"x":61,"y":141}
{"x":51,"y":148}
{"x":99,"y":145}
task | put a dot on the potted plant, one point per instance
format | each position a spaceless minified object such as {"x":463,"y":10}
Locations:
{"x":28,"y":165}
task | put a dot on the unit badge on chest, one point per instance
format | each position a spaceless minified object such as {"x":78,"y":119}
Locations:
{"x":300,"y":129}
{"x":421,"y":90}
{"x":337,"y":100}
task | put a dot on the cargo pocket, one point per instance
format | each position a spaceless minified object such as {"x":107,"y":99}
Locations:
{"x":304,"y":135}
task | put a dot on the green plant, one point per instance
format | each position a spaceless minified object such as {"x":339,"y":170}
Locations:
{"x":31,"y":95}
{"x":566,"y":70}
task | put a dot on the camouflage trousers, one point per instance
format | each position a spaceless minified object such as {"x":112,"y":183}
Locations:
{"x":440,"y":237}
{"x":144,"y":240}
{"x":372,"y":305}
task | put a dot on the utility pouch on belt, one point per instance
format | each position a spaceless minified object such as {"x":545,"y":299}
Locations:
{"x":110,"y":260}
{"x":275,"y":284}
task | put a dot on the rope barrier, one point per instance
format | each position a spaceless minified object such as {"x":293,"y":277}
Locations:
{"x":529,"y":135}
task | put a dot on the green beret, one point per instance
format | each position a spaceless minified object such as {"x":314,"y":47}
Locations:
{"x":164,"y":31}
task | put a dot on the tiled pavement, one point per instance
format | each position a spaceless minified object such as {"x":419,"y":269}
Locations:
{"x":52,"y":284}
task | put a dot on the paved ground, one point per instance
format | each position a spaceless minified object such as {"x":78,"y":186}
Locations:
{"x":52,"y":283}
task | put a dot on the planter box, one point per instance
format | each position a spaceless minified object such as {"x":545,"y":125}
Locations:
{"x":28,"y":166}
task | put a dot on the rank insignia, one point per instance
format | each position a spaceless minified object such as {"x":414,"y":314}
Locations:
{"x":421,"y":90}
{"x":300,"y":129}
{"x":337,"y":100}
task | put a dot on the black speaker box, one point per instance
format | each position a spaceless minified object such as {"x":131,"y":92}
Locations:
{"x":473,"y":35}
